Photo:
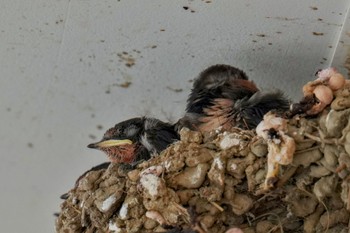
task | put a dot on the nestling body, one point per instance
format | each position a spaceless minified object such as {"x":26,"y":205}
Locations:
{"x":222,"y":96}
{"x":136,"y":139}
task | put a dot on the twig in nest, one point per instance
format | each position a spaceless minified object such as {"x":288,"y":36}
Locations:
{"x":306,"y":150}
{"x":328,"y":217}
{"x":199,"y":228}
{"x":324,"y":205}
{"x":184,"y":212}
{"x":321,"y":140}
{"x":217,"y":206}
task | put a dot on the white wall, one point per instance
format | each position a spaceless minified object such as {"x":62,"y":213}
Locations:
{"x":60,"y":72}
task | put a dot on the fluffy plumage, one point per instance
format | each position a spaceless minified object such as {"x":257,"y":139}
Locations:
{"x":136,"y":139}
{"x":222,"y":96}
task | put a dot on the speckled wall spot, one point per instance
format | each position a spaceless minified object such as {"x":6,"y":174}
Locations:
{"x":59,"y":21}
{"x":91,"y":136}
{"x":127,"y":58}
{"x":125,"y":84}
{"x":317,"y":33}
{"x":282,"y":18}
{"x":174,"y":89}
{"x":188,"y":8}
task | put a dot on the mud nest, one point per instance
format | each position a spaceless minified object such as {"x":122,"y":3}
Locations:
{"x":217,"y":182}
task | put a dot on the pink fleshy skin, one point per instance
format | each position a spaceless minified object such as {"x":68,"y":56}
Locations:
{"x":325,"y":74}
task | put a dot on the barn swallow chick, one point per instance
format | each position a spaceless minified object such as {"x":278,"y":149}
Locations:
{"x":222,"y":96}
{"x":132,"y":141}
{"x":136,"y":139}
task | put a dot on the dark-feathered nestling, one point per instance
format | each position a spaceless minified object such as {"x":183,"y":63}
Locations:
{"x":222,"y":96}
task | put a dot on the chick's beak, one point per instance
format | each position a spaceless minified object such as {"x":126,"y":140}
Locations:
{"x":109,"y":143}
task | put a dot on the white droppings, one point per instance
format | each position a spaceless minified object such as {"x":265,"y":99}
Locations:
{"x":156,"y":170}
{"x":218,"y":163}
{"x":260,"y":130}
{"x":277,"y":141}
{"x":151,"y":183}
{"x":277,"y":121}
{"x":218,"y":129}
{"x":329,"y":117}
{"x":123,"y":212}
{"x":271,"y":121}
{"x":106,"y":205}
{"x":75,"y":200}
{"x":155,"y":215}
{"x":234,"y":166}
{"x":82,"y":204}
{"x":167,"y":164}
{"x":229,"y":141}
{"x":278,"y":158}
{"x":289,"y":214}
{"x":195,"y":176}
{"x":113,"y":227}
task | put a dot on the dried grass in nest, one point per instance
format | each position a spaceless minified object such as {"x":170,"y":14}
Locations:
{"x":215,"y":182}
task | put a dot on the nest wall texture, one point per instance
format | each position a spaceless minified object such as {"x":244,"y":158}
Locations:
{"x":217,"y":182}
